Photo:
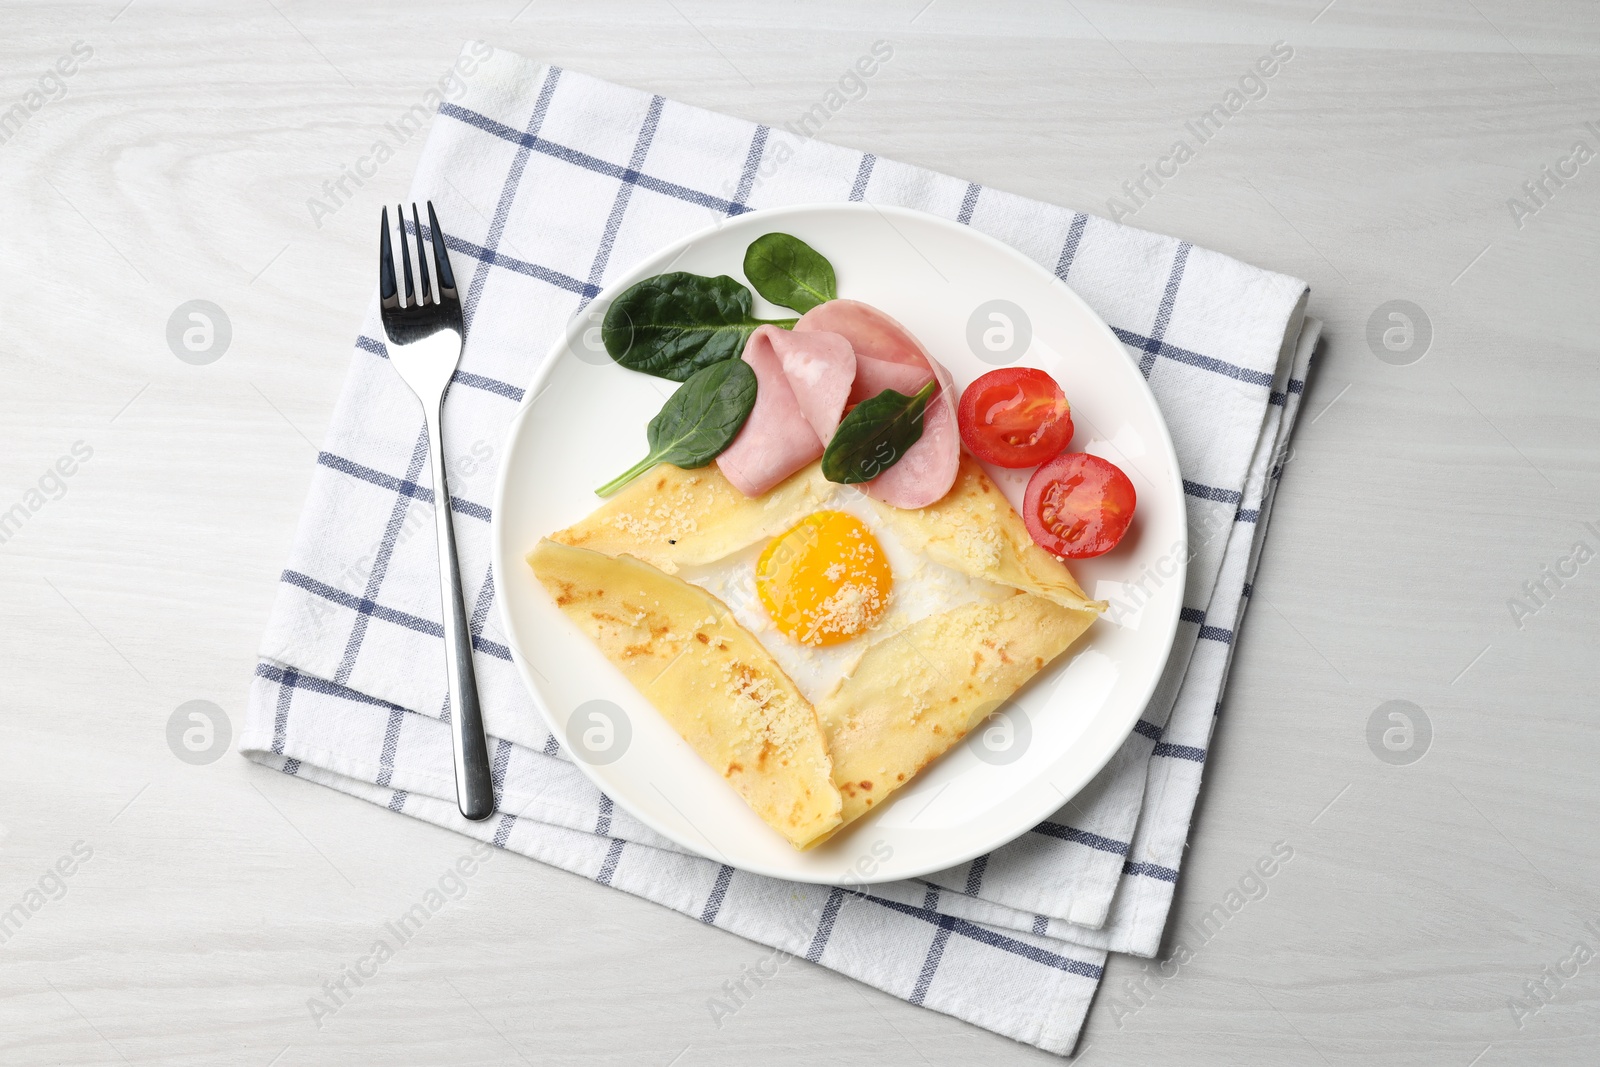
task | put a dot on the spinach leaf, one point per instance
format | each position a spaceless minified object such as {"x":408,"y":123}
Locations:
{"x":789,"y":272}
{"x":672,"y":325}
{"x":698,"y":421}
{"x":875,"y":435}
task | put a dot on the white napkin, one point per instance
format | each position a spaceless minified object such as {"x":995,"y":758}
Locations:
{"x":552,"y":184}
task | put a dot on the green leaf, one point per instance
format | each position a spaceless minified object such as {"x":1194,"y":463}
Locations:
{"x":875,"y":435}
{"x":789,"y":272}
{"x":673,"y":325}
{"x":698,"y":421}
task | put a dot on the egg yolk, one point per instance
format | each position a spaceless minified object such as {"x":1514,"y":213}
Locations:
{"x":825,"y":579}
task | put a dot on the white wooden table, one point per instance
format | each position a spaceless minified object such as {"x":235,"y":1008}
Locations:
{"x":175,"y":163}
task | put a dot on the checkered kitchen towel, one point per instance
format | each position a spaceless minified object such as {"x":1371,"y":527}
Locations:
{"x":554,"y":183}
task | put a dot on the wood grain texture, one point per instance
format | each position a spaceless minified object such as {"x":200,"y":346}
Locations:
{"x":177,"y":166}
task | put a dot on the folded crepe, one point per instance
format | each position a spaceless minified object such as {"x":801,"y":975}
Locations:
{"x":809,"y":771}
{"x":708,"y":676}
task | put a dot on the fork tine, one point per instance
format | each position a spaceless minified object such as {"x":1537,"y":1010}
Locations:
{"x":405,"y":257}
{"x":387,"y":291}
{"x":441,"y":256}
{"x":422,"y":257}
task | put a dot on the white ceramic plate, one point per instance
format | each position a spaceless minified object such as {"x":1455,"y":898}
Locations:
{"x":584,"y":420}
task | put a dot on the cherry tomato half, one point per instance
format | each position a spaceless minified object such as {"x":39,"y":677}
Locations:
{"x":1078,"y":506}
{"x":1015,"y":417}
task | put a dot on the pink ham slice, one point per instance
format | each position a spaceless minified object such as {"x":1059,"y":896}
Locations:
{"x":888,"y":357}
{"x":819,"y":367}
{"x":873,"y":376}
{"x":801,"y":387}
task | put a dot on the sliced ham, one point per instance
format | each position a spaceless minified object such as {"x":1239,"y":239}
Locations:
{"x":873,"y":376}
{"x":777,"y":439}
{"x":886,"y":352}
{"x":802,"y":384}
{"x":819,"y":367}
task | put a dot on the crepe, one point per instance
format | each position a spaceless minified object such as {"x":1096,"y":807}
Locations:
{"x":673,"y":518}
{"x":917,"y":693}
{"x":906,"y":695}
{"x":707,"y":676}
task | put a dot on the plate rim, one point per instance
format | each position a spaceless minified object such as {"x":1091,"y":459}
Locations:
{"x":539,"y":381}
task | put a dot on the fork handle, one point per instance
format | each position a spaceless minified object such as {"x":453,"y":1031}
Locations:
{"x":474,"y":786}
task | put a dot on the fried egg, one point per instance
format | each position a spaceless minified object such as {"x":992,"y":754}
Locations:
{"x":825,"y":579}
{"x":820,"y":593}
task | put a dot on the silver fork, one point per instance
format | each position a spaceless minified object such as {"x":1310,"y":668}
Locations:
{"x":425,"y":338}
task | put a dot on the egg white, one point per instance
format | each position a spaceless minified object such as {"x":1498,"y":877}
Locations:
{"x":920,"y":588}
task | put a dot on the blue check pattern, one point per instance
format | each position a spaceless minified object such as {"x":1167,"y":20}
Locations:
{"x":553,"y":183}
